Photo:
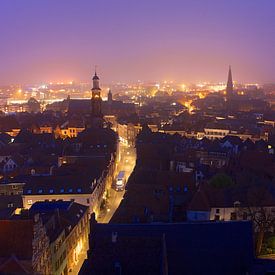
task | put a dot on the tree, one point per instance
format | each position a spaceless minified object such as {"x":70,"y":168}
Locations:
{"x":258,"y":210}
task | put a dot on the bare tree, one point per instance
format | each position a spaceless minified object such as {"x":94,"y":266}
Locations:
{"x":259,"y":208}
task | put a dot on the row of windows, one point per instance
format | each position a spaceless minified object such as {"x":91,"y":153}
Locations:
{"x":216,"y":133}
{"x":98,"y":146}
{"x":51,"y":191}
{"x":10,"y":166}
{"x":178,"y":189}
{"x":233,"y":216}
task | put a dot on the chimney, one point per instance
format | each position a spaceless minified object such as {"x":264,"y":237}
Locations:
{"x":114,"y":237}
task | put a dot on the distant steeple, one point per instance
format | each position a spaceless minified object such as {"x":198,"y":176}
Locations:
{"x":110,"y":96}
{"x":229,"y":86}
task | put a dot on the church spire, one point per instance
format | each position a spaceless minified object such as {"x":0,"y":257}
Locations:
{"x":110,"y":96}
{"x":95,"y":82}
{"x":229,"y":86}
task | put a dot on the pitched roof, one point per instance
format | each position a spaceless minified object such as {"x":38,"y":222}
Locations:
{"x":44,"y":185}
{"x":69,"y":212}
{"x":12,"y":265}
{"x":199,"y":202}
{"x":7,"y":200}
{"x":187,"y":244}
{"x":235,"y":140}
{"x":16,"y":238}
{"x":151,"y":198}
{"x":5,"y":138}
{"x":248,"y":195}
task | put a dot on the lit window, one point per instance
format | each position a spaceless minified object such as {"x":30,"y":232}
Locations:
{"x":40,"y":191}
{"x":185,"y":189}
{"x":51,"y":191}
{"x":29,"y":202}
{"x":29,"y":191}
{"x":70,"y":190}
{"x":79,"y":190}
{"x":62,"y":190}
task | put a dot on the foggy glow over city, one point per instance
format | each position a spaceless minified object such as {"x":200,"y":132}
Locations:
{"x":188,"y":41}
{"x":137,"y":137}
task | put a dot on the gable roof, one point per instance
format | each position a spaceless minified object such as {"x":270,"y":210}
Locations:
{"x":199,"y":202}
{"x":12,"y":265}
{"x":234,"y":140}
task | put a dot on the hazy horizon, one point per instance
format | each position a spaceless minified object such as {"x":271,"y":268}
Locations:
{"x":183,"y":41}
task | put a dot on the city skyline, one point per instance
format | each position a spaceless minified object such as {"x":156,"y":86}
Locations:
{"x":149,"y":41}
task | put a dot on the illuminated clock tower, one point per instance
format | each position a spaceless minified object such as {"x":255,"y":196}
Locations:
{"x":96,"y":98}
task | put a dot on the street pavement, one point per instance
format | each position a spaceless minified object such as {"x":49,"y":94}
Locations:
{"x":127,"y":163}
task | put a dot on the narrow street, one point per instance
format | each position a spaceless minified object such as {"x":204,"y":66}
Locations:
{"x":126,"y":163}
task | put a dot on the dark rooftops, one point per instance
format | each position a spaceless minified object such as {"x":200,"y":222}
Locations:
{"x":70,"y":212}
{"x":43,"y":185}
{"x":188,"y":248}
{"x":12,"y":201}
{"x":16,"y":237}
{"x":50,"y":206}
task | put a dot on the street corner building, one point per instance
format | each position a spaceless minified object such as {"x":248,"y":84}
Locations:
{"x":49,"y":238}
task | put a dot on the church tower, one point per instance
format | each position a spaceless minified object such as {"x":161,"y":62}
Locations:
{"x":96,"y":98}
{"x":229,"y":86}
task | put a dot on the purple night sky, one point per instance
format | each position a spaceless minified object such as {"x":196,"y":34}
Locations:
{"x":130,"y":40}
